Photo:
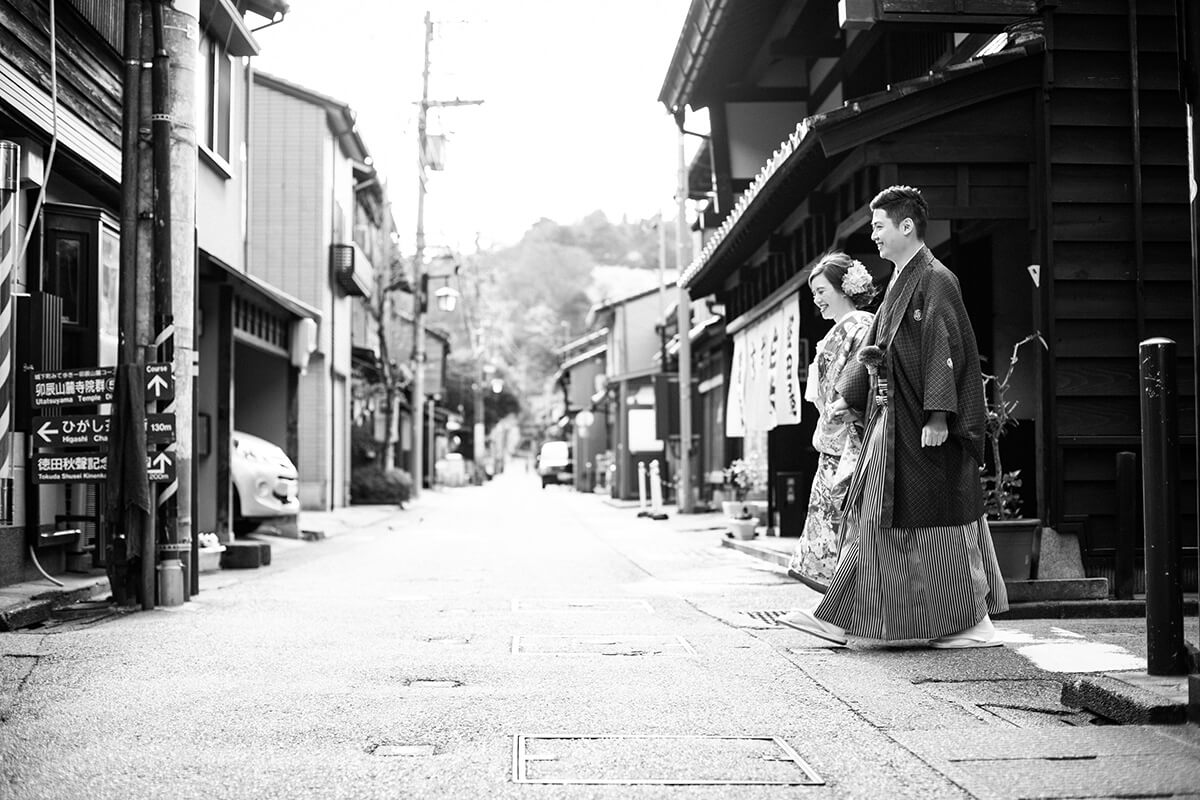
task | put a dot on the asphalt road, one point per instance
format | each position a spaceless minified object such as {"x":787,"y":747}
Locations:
{"x":509,"y":641}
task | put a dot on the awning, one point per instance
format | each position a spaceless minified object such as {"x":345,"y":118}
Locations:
{"x":261,"y":289}
{"x":222,"y":20}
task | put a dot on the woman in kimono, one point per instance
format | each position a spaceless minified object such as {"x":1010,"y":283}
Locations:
{"x":840,"y":287}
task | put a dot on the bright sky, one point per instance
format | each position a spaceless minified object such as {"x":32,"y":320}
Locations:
{"x":571,"y":120}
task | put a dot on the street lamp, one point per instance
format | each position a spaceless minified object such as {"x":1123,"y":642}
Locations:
{"x":447,"y":298}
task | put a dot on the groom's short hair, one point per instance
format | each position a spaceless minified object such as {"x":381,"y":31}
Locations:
{"x":899,"y":202}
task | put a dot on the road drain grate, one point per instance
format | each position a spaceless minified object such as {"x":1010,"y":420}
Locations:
{"x":601,"y":645}
{"x":660,"y":760}
{"x":769,"y":617}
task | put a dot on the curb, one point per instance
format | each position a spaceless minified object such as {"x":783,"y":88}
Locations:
{"x":1095,"y":607}
{"x":1128,"y":703}
{"x":39,"y":608}
{"x":751,"y":548}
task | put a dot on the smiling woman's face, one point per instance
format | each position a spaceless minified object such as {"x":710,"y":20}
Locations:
{"x":828,"y":300}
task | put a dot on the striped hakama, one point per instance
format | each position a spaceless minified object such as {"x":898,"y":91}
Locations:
{"x":906,"y":583}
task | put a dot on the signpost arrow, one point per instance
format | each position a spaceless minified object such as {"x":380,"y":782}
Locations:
{"x":89,"y":430}
{"x":157,"y":386}
{"x":47,"y":432}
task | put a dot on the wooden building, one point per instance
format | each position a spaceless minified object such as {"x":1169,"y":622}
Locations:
{"x":67,"y":124}
{"x":1049,"y":140}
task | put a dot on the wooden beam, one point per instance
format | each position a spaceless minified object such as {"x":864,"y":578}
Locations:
{"x":958,"y":14}
{"x":807,"y":47}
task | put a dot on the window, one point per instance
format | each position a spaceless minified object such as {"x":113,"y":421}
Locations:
{"x":214,"y":96}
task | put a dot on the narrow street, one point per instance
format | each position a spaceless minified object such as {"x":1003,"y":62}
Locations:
{"x":490,"y":640}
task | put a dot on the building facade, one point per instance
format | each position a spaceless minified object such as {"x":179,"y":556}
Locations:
{"x":1050,"y":142}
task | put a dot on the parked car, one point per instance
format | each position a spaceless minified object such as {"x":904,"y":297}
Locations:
{"x":554,"y":464}
{"x":265,"y":482}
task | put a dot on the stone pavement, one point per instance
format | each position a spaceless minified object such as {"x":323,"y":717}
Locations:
{"x":32,"y":602}
{"x":405,"y":654}
{"x":1104,"y":638}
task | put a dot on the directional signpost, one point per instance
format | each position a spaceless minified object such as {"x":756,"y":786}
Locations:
{"x":92,"y":467}
{"x":80,"y":387}
{"x":89,"y":430}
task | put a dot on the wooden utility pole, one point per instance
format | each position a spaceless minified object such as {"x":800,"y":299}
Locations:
{"x":419,"y":294}
{"x":175,"y":31}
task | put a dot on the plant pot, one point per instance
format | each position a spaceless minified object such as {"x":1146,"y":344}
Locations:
{"x":1018,"y":543}
{"x":742,"y":528}
{"x":210,"y":558}
{"x":732,"y":508}
{"x":757,"y":509}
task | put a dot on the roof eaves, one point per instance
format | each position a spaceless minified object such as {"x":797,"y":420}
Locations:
{"x":585,"y":356}
{"x":604,"y":305}
{"x":802,"y":142}
{"x":699,"y":29}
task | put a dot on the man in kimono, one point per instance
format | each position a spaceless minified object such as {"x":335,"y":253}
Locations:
{"x":917,"y":560}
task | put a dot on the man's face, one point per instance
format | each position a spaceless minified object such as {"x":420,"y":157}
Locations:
{"x":890,"y":239}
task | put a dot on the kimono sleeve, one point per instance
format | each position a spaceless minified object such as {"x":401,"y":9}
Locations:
{"x":854,"y":382}
{"x":942,"y":354}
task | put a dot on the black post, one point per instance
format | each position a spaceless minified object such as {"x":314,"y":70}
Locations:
{"x":1127,"y":528}
{"x":1160,"y":486}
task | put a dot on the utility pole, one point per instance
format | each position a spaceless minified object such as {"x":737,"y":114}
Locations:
{"x":175,"y":31}
{"x":419,"y":298}
{"x":418,"y":391}
{"x":683,"y":313}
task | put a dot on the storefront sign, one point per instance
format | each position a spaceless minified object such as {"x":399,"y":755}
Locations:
{"x":765,"y":383}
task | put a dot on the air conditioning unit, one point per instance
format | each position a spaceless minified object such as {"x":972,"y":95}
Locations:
{"x":351,"y":269}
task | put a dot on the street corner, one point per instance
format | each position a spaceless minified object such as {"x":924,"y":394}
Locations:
{"x":32,"y":602}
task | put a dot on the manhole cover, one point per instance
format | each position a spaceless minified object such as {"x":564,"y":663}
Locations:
{"x":602,"y":645}
{"x":404,"y":750}
{"x":581,"y":604}
{"x":448,"y":640}
{"x":662,"y":760}
{"x":433,"y":683}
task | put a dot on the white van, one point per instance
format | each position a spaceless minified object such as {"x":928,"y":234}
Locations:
{"x":554,"y":463}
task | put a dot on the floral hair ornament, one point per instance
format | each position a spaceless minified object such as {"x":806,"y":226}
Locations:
{"x":857,"y":280}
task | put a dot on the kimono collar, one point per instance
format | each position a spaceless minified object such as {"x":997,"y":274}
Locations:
{"x":898,"y":296}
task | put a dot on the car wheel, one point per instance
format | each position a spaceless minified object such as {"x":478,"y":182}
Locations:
{"x":241,"y":525}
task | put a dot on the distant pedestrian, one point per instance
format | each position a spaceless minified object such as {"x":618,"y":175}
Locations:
{"x":840,"y":287}
{"x":919,"y":561}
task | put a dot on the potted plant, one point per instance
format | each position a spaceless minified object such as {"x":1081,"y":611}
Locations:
{"x":744,"y":525}
{"x":210,"y":552}
{"x":744,"y":477}
{"x":1017,"y":539}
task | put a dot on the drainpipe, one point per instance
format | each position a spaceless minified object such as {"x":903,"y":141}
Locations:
{"x":137,"y":527}
{"x":683,"y":312}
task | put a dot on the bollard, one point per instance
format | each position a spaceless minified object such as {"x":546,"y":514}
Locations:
{"x":641,"y":479}
{"x":656,"y":499}
{"x":1165,"y":654}
{"x":1127,"y":518}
